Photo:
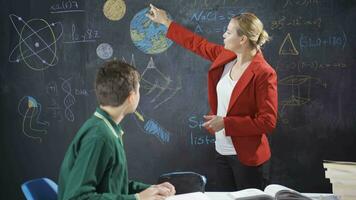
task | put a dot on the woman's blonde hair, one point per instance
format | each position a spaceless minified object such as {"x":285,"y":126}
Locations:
{"x":252,"y":27}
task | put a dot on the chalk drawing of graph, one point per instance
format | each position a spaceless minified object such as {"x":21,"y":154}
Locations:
{"x":30,"y":110}
{"x":160,"y":86}
{"x":37,"y":45}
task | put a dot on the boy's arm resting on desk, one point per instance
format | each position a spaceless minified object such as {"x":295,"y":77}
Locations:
{"x":89,"y":168}
{"x":137,"y":187}
{"x":193,"y":42}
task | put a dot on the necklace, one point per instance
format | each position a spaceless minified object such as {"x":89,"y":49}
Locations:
{"x":238,"y":70}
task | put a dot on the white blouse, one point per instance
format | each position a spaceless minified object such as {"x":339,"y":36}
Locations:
{"x":224,"y":88}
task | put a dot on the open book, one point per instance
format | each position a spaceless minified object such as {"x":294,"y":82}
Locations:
{"x":271,"y":192}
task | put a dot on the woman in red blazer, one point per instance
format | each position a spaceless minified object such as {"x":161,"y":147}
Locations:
{"x":242,"y":94}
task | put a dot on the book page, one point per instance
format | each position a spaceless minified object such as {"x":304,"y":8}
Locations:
{"x":274,"y":188}
{"x":281,"y":192}
{"x":250,"y":193}
{"x":193,"y":195}
{"x":321,"y":196}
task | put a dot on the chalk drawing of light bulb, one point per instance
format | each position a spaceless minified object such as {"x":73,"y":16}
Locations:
{"x":30,"y":110}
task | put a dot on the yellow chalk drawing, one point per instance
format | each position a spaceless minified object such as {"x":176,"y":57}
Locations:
{"x":300,"y":92}
{"x":30,"y":110}
{"x":37,"y":46}
{"x":295,"y":101}
{"x":139,"y":116}
{"x":288,"y":47}
{"x":114,"y":9}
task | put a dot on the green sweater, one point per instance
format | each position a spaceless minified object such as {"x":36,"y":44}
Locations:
{"x":95,"y":165}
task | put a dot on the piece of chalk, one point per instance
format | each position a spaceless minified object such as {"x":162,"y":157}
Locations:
{"x":139,"y":116}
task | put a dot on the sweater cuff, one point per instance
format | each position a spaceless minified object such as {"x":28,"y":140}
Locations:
{"x":137,"y":196}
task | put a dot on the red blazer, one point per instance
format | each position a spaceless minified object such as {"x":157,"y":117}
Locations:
{"x":252,"y":111}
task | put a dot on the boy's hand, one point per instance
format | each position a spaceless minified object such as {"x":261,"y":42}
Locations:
{"x":157,"y":192}
{"x":170,"y":187}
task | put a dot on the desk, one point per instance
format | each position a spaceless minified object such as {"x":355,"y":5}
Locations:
{"x":314,"y":196}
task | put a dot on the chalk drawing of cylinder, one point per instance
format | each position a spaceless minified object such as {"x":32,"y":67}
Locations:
{"x":153,"y":128}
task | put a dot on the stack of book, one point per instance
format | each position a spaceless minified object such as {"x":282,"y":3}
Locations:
{"x":342,"y":176}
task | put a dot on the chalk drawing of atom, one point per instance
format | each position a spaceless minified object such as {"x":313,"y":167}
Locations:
{"x":37,"y":45}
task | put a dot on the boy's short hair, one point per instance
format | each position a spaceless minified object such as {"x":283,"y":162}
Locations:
{"x":114,"y":82}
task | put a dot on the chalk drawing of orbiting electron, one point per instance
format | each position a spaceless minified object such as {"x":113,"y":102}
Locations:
{"x":30,"y":109}
{"x":37,"y":46}
{"x":69,"y":100}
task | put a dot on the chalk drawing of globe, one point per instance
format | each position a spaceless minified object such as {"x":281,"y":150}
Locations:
{"x":147,"y":35}
{"x":37,"y":45}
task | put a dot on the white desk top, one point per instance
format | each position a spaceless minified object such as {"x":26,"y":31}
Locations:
{"x":315,"y":196}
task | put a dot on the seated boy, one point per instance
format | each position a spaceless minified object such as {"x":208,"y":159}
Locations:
{"x":95,"y":165}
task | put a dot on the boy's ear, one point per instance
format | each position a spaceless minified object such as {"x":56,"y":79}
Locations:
{"x":130,"y":98}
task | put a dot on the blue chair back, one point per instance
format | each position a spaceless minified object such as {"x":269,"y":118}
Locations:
{"x":40,"y":189}
{"x":184,"y":182}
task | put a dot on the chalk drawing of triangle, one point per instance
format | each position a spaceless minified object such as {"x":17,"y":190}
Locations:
{"x":288,"y":47}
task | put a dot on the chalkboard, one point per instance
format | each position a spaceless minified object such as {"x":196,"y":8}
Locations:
{"x":50,"y":51}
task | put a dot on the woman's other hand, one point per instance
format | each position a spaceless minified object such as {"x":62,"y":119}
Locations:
{"x":214,"y":123}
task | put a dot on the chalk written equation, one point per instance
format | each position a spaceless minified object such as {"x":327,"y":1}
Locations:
{"x":68,"y":6}
{"x":284,"y":22}
{"x":88,"y":35}
{"x":207,"y":4}
{"x":215,"y":19}
{"x":313,"y":65}
{"x":336,"y":40}
{"x":301,"y":3}
{"x":195,"y":123}
{"x":212,"y":15}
